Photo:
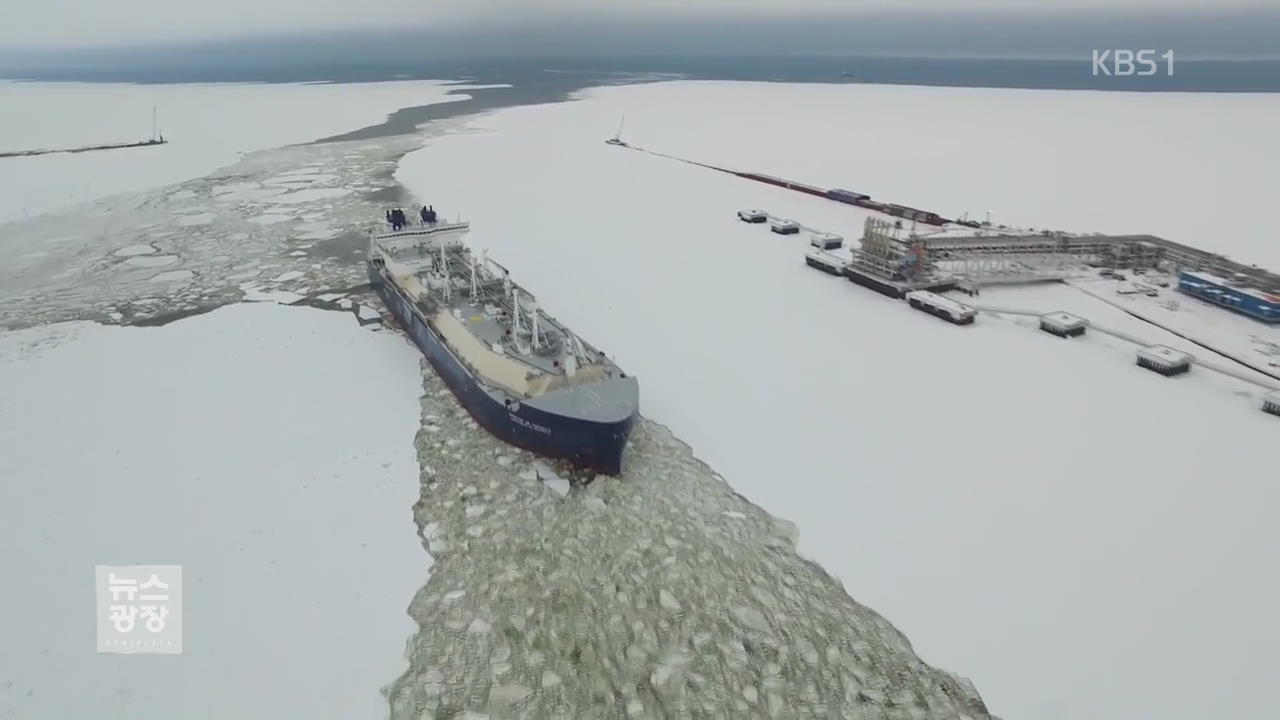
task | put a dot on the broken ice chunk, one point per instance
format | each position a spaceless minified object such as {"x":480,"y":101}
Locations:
{"x":551,"y":479}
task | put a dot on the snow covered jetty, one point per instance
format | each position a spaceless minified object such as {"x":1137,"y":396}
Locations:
{"x":85,"y":148}
{"x":826,"y":262}
{"x":953,"y":312}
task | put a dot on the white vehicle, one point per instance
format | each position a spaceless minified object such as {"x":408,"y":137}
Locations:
{"x":753,"y":216}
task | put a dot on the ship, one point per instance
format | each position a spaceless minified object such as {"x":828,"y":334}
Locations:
{"x":521,"y":374}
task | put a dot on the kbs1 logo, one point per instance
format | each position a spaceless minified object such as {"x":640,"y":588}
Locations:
{"x":1123,"y":63}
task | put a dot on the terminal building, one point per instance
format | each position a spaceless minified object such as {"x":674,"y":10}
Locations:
{"x":1255,"y":303}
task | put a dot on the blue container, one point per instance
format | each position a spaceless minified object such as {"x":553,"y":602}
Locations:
{"x":1246,"y":301}
{"x":846,"y":196}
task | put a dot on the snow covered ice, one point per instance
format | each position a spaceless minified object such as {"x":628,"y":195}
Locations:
{"x":209,"y":126}
{"x":921,"y":462}
{"x":215,"y":233}
{"x":907,"y":457}
{"x":268,"y":451}
{"x":222,"y":199}
{"x":658,"y":594}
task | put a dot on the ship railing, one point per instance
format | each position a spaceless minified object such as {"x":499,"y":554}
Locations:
{"x":417,"y":227}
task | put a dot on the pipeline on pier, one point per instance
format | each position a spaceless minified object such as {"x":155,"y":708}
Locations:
{"x":848,"y":197}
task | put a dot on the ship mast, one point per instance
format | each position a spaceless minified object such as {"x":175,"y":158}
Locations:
{"x":533,"y":309}
{"x":574,"y":347}
{"x":444,"y":266}
{"x":515,"y":311}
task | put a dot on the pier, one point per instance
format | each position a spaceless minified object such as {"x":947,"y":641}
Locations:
{"x":978,"y":253}
{"x":916,"y":255}
{"x":86,"y":148}
{"x":157,"y":138}
{"x":909,"y":258}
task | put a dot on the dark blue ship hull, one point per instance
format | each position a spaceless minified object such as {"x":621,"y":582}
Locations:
{"x":587,"y":444}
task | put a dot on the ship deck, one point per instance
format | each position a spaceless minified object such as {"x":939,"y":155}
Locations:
{"x":473,"y":305}
{"x":482,"y":323}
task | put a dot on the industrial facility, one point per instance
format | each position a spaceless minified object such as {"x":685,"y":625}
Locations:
{"x":923,"y":250}
{"x":916,"y":255}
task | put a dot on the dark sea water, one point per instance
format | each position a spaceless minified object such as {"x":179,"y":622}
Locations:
{"x":1188,"y":75}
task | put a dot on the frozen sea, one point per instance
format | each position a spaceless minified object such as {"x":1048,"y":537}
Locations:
{"x":266,"y":450}
{"x":208,"y":126}
{"x":1029,"y":512}
{"x":1024,"y":510}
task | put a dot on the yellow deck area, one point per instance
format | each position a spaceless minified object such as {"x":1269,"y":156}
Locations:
{"x":501,"y":369}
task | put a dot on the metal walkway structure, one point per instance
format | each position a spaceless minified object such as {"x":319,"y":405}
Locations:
{"x":1007,"y":257}
{"x":1251,"y":375}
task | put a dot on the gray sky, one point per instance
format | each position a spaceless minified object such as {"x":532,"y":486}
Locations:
{"x":28,"y":24}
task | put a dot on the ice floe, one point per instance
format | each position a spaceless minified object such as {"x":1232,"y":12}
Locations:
{"x":173,"y":276}
{"x":642,"y":595}
{"x":152,"y":261}
{"x":196,"y":220}
{"x":133,"y":250}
